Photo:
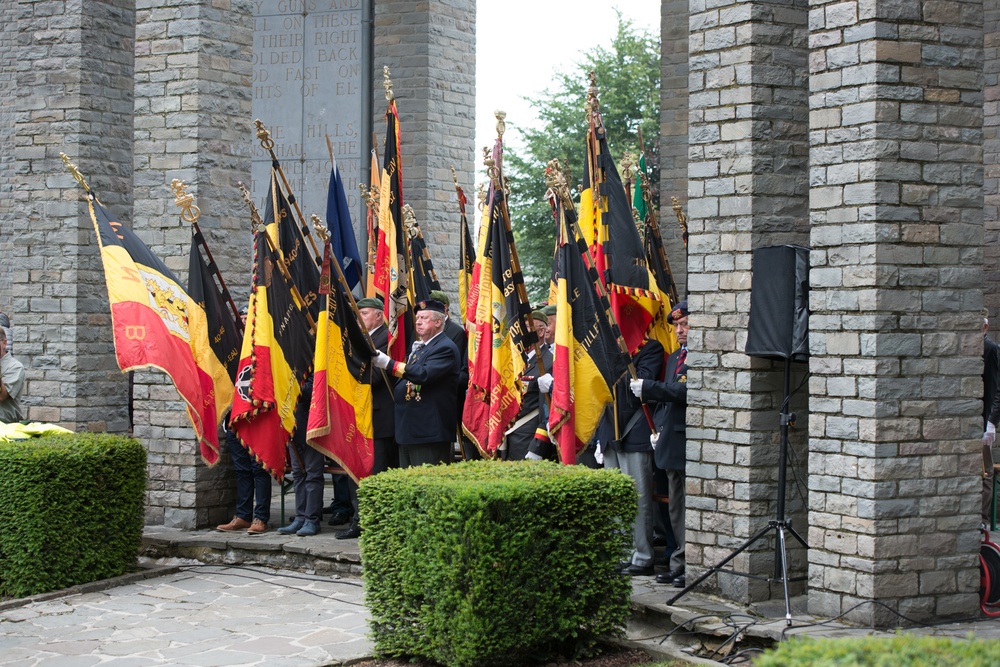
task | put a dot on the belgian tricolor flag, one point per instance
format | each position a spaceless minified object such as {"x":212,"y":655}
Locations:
{"x":587,"y":361}
{"x":467,"y":255}
{"x":340,"y":414}
{"x":290,"y":241}
{"x":499,"y":337}
{"x":157,"y":325}
{"x":275,"y":361}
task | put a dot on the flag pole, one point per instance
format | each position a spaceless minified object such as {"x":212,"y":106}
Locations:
{"x":652,"y":219}
{"x":413,"y":232}
{"x":191,"y":213}
{"x":556,"y":180}
{"x":324,"y":236}
{"x":267,"y":143}
{"x":258,"y":225}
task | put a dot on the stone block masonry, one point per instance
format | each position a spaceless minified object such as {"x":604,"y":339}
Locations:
{"x":896,"y":207}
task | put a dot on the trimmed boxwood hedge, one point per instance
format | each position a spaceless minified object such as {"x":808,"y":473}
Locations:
{"x":72,"y":510}
{"x":898,"y":651}
{"x":489,"y":563}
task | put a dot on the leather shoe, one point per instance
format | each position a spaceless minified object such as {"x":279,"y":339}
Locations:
{"x":339,"y":519}
{"x":679,"y":582}
{"x":667,"y":577}
{"x":257,"y":527}
{"x":638,"y":570}
{"x":352,"y":533}
{"x":308,"y":529}
{"x":234,"y":525}
{"x":293,"y":527}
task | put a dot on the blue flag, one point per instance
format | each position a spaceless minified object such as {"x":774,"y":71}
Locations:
{"x":338,"y":221}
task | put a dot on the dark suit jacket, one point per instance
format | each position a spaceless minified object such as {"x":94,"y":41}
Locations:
{"x":383,"y":419}
{"x":434,"y":368}
{"x":991,"y":382}
{"x":523,"y":439}
{"x":670,"y":397}
{"x":460,"y":337}
{"x":648,"y":363}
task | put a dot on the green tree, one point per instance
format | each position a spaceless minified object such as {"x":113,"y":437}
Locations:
{"x":628,"y":82}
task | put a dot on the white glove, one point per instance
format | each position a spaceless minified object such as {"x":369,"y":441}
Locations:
{"x":990,"y":436}
{"x":545,"y":383}
{"x":381,"y":359}
{"x":531,"y":456}
{"x":599,"y":455}
{"x":636,"y":387}
{"x":653,"y":437}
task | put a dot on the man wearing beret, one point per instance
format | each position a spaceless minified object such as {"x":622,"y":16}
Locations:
{"x":670,"y":397}
{"x":460,"y":337}
{"x":527,"y":437}
{"x":425,"y":391}
{"x":384,"y":449}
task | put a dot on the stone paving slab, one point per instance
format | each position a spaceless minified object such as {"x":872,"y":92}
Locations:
{"x":204,"y":615}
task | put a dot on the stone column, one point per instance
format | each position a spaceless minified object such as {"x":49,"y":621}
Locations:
{"x":192,"y":122}
{"x":897,"y":212}
{"x":747,"y":188}
{"x":674,"y":132}
{"x":8,"y":171}
{"x":991,"y":164}
{"x":74,"y":68}
{"x":430,"y":50}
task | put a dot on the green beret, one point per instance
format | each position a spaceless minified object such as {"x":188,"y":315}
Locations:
{"x":540,"y":316}
{"x":549,"y":309}
{"x":438,"y":295}
{"x":371,"y":302}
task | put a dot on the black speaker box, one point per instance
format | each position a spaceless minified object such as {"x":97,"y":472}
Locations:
{"x":779,"y":303}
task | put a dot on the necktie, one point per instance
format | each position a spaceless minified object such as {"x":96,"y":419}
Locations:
{"x":681,"y":358}
{"x":417,"y":346}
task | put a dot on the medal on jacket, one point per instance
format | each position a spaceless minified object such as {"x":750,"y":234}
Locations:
{"x":412,"y":391}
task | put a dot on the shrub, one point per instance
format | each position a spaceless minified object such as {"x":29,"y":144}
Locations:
{"x":488,"y":563}
{"x":898,"y":651}
{"x":72,"y":510}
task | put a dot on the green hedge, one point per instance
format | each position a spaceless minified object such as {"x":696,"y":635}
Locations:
{"x":898,"y":651}
{"x":72,"y":510}
{"x":488,"y":563}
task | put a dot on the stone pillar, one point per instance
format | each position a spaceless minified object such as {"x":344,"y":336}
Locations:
{"x":991,"y":162}
{"x":8,"y":172}
{"x":747,"y":187}
{"x":192,"y":122}
{"x":674,"y":132}
{"x":430,"y":50}
{"x":73,"y":94}
{"x":897,"y":212}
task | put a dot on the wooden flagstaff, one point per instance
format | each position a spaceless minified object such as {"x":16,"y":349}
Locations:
{"x":267,"y":143}
{"x":191,"y":213}
{"x":258,"y":226}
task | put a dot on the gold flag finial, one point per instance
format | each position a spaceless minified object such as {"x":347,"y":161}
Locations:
{"x":387,"y":84}
{"x":185,"y":201}
{"x":75,"y":172}
{"x":321,"y":231}
{"x":266,"y":142}
{"x":628,"y":161}
{"x":410,"y":222}
{"x":454,"y":176}
{"x":555,"y":179}
{"x":481,"y":195}
{"x":501,"y":125}
{"x":255,"y":220}
{"x":592,"y":106}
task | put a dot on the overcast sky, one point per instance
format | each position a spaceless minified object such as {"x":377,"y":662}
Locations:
{"x":521,"y":43}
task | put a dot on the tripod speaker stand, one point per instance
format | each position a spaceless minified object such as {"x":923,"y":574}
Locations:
{"x":778,"y":329}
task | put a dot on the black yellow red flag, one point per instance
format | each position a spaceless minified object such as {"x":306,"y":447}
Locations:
{"x":215,"y":333}
{"x":151,"y":318}
{"x":275,"y":360}
{"x":587,"y":360}
{"x":610,"y":231}
{"x":285,"y":234}
{"x":467,"y":254}
{"x":340,"y":414}
{"x":499,"y":337}
{"x":391,"y":256}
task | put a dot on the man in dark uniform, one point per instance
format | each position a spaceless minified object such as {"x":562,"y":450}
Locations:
{"x":991,"y":412}
{"x":384,"y":449}
{"x":670,"y":397}
{"x":460,"y":337}
{"x":425,"y":408}
{"x":623,"y":441}
{"x":521,"y":436}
